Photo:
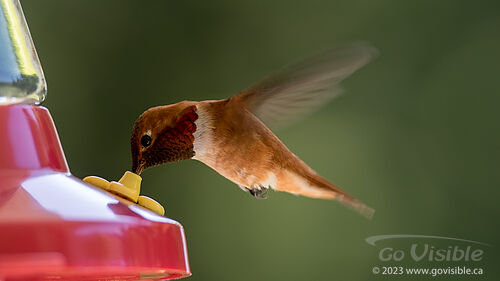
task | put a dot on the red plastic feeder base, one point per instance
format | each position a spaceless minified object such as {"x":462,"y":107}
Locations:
{"x":54,"y":226}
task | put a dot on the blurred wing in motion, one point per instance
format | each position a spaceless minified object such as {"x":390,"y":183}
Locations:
{"x":303,"y":87}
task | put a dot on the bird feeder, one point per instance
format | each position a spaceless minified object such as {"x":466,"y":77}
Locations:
{"x":53,"y":225}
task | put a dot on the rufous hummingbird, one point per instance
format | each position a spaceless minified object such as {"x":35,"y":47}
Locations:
{"x":231,"y":135}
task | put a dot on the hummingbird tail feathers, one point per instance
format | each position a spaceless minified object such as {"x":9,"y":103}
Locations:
{"x":358,"y":206}
{"x":340,"y":195}
{"x":313,"y":185}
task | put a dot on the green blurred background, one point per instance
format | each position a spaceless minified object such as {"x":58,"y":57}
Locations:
{"x":416,"y":134}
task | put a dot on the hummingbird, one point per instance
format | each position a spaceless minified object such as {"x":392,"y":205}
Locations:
{"x":233,"y":135}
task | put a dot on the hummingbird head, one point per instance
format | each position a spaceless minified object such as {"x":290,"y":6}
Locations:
{"x":163,"y":134}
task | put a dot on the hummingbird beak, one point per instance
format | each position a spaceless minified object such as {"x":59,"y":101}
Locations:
{"x":138,"y":167}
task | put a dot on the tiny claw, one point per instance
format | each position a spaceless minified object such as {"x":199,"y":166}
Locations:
{"x":259,"y":193}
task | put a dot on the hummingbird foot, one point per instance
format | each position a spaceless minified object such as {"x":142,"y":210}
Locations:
{"x":259,"y":193}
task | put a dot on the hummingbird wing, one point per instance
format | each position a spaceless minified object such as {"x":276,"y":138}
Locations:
{"x":305,"y":86}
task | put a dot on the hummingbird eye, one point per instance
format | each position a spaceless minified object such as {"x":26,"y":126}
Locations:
{"x":146,"y":141}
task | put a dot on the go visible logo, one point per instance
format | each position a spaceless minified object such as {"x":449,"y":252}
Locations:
{"x":460,"y":250}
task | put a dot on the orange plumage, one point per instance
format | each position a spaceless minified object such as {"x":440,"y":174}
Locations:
{"x":231,"y":136}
